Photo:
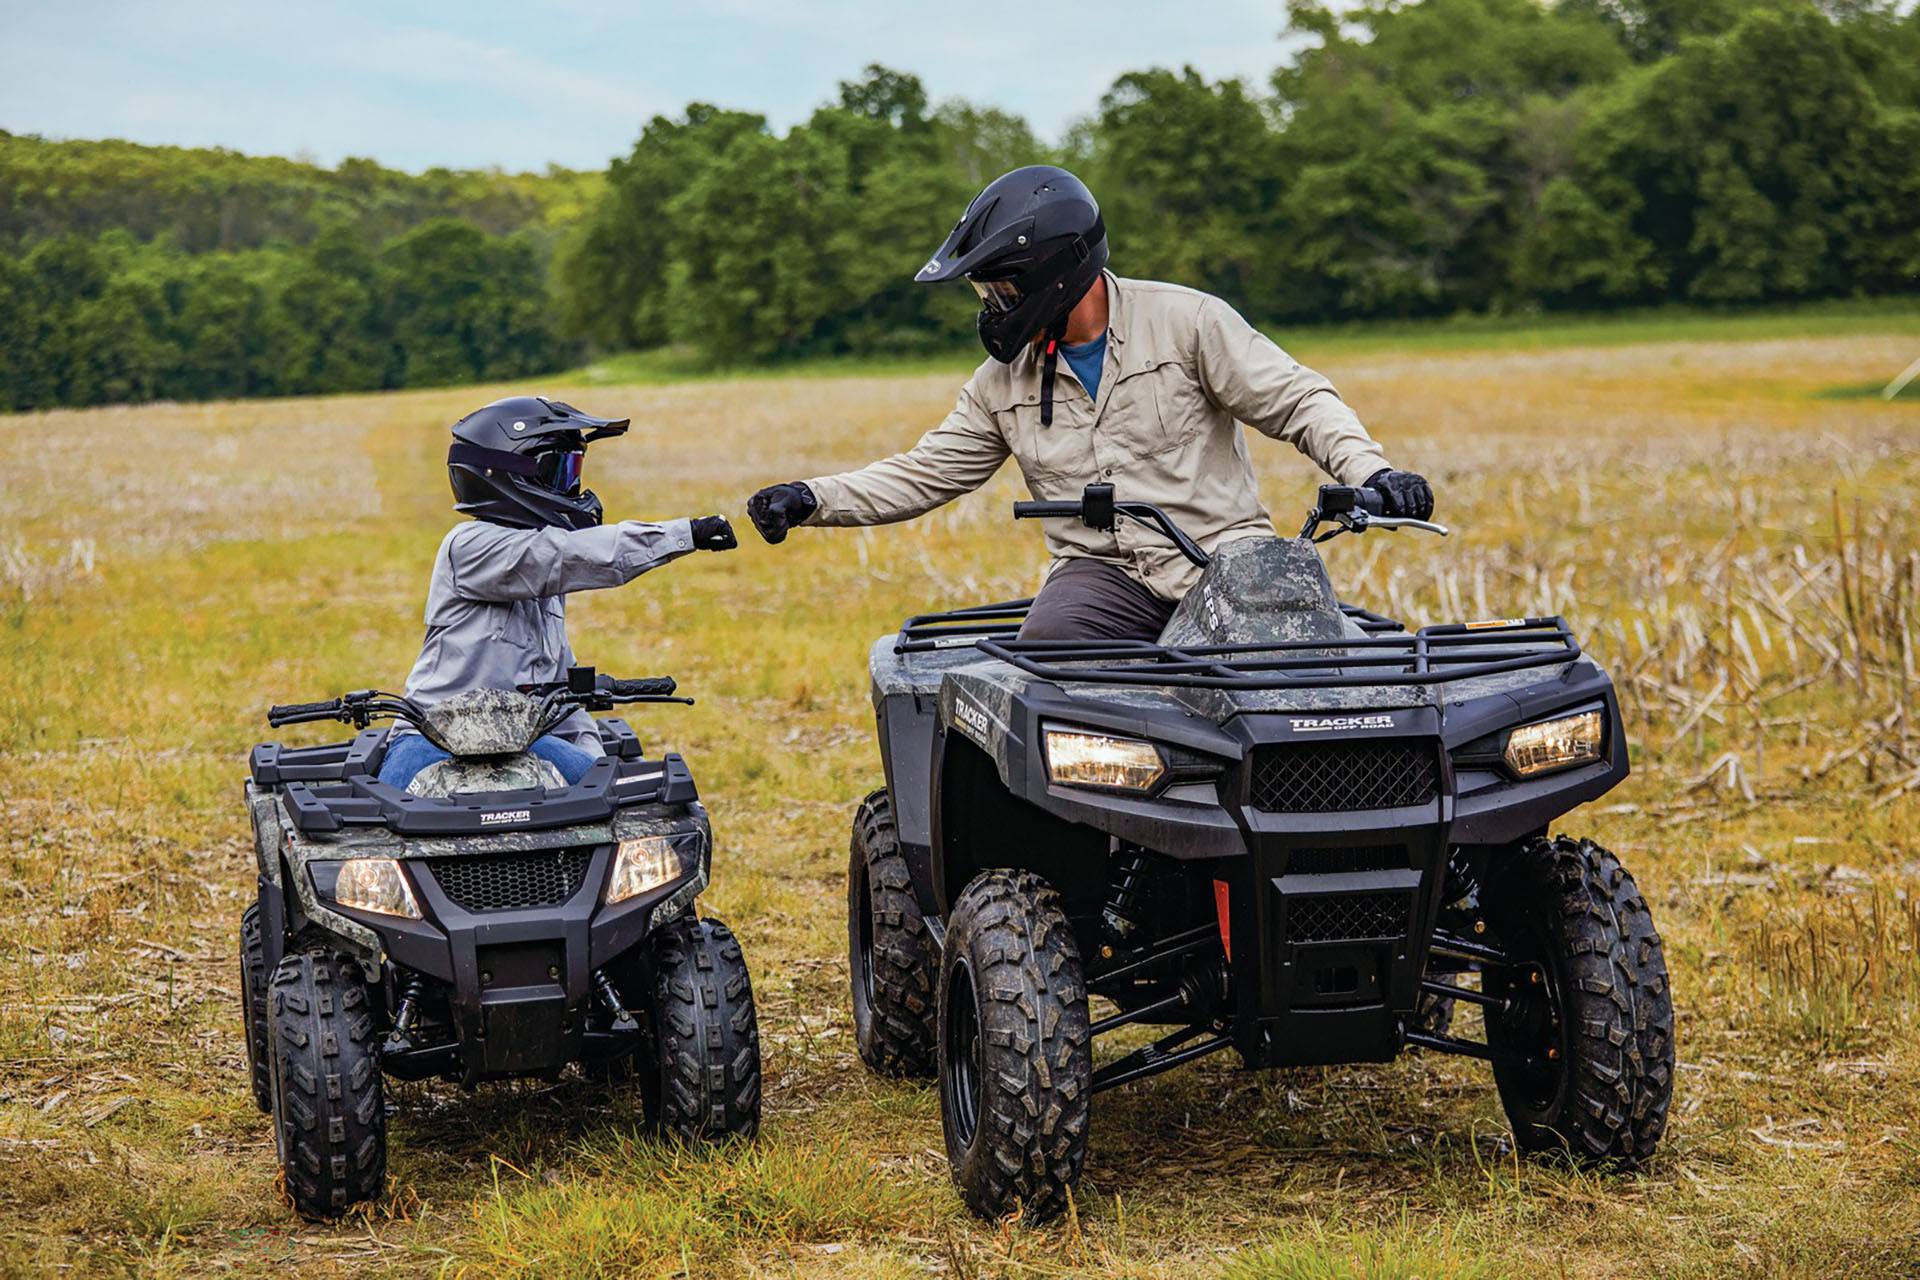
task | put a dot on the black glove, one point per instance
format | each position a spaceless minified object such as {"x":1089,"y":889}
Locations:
{"x":776,"y":509}
{"x":1403,"y":493}
{"x":713,"y":533}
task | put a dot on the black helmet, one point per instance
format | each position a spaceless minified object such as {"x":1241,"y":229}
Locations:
{"x":517,"y":462}
{"x":1031,"y":245}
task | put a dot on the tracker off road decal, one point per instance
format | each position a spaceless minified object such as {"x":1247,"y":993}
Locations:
{"x":501,"y":817}
{"x":973,"y":720}
{"x":1338,"y":724}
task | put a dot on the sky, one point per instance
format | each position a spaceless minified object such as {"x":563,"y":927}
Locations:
{"x":571,"y":82}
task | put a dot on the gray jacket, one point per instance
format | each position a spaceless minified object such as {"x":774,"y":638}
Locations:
{"x":497,"y":604}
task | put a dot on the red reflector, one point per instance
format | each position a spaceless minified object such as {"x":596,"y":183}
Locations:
{"x":1052,"y":345}
{"x":1220,"y":897}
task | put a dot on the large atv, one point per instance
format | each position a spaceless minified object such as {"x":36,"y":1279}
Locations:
{"x":490,"y":921}
{"x":1289,"y":828}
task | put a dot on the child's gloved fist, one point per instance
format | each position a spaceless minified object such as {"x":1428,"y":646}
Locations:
{"x":713,"y":533}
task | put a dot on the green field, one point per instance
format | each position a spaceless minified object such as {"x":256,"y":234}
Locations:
{"x":1730,"y":524}
{"x":1880,"y":317}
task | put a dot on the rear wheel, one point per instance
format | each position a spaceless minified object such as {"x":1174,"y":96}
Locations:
{"x":1016,"y":1059}
{"x":329,"y":1109}
{"x":1585,"y":1045}
{"x":704,"y":1081}
{"x":253,"y":1006}
{"x":890,"y":953}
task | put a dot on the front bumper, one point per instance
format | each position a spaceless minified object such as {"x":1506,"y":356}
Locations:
{"x":1329,"y":910}
{"x":519,"y":980}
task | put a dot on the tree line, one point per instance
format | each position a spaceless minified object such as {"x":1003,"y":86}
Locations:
{"x":1416,"y":159}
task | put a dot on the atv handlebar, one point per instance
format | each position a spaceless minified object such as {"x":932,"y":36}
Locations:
{"x":301,"y":712}
{"x":646,"y":687}
{"x":1097,"y":509}
{"x":1045,"y":510}
{"x":1356,"y":509}
{"x":358,"y":709}
{"x":581,"y":688}
{"x":1352,"y":497}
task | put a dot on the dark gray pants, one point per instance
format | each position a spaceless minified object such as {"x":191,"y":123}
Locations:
{"x":1094,"y":600}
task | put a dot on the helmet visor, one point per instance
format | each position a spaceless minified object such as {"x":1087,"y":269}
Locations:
{"x":999,"y":296}
{"x":561,"y":470}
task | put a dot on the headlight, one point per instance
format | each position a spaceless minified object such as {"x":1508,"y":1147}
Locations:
{"x":640,"y":865}
{"x":1554,"y":744}
{"x":1096,"y":760}
{"x":375,"y":884}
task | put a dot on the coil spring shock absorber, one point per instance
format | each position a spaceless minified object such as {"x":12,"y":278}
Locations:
{"x":407,"y":1011}
{"x":610,"y":1000}
{"x":1117,"y":916}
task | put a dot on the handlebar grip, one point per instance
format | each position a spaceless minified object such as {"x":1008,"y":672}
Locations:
{"x":300,"y":712}
{"x":1371,"y":501}
{"x":1044,"y":510}
{"x":646,"y":687}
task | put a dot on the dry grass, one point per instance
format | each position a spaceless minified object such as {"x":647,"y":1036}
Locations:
{"x":1739,"y":549}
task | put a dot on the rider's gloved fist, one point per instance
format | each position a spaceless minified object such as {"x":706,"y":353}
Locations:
{"x":778,"y":508}
{"x":713,"y":533}
{"x":1404,"y":493}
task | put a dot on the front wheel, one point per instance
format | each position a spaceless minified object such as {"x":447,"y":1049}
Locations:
{"x":329,"y":1109}
{"x":1584,"y":1047}
{"x":1016,"y":1050}
{"x":703,"y":1083}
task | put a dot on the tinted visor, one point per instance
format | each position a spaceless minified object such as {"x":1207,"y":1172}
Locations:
{"x":996,"y":295}
{"x":561,"y":470}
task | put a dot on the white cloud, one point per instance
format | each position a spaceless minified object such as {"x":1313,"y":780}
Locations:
{"x":489,"y":82}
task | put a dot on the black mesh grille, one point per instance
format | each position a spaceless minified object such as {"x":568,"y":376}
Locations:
{"x":1338,"y":777}
{"x":1367,"y":857}
{"x":504,"y":881}
{"x":1346,"y":917}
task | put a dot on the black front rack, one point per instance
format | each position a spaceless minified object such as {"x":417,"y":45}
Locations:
{"x":960,"y":628}
{"x":1431,"y":655}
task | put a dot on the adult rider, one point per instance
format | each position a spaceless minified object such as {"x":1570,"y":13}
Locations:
{"x":1155,"y":379}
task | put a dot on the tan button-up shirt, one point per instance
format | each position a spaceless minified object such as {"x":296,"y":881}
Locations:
{"x":1182,"y":370}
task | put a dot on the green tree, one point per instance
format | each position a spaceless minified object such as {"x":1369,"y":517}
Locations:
{"x":1762,"y":164}
{"x":612,"y":272}
{"x":763,"y":234}
{"x":331,"y":332}
{"x":981,"y":143}
{"x":1419,"y":142}
{"x":1189,"y":177}
{"x":465,"y":306}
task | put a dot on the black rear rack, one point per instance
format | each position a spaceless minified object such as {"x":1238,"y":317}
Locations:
{"x":960,"y":628}
{"x":1431,"y":655}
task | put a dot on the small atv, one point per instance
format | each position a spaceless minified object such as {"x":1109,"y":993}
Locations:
{"x":488,"y":922}
{"x":1289,"y":828}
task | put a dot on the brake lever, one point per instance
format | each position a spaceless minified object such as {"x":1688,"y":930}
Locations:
{"x":1406,"y":522}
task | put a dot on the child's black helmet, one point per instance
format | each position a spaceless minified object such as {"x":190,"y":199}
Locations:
{"x":518,"y":462}
{"x":1031,"y":245}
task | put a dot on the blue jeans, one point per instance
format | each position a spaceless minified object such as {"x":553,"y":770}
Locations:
{"x":409,"y":754}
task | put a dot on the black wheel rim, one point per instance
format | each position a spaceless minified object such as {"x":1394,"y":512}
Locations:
{"x":960,"y":1074}
{"x":1533,"y":1026}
